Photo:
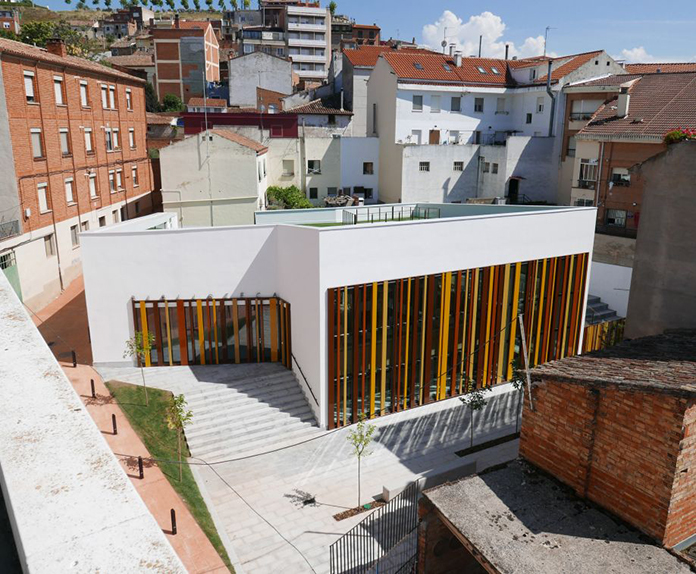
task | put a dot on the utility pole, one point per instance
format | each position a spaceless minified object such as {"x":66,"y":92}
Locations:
{"x":480,"y":43}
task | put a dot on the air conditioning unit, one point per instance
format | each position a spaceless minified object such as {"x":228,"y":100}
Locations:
{"x":336,"y":136}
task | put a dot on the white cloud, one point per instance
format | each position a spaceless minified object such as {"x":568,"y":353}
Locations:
{"x":633,"y":55}
{"x":466,"y":36}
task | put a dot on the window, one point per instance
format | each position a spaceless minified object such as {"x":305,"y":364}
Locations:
{"x":456,"y":105}
{"x":114,"y":136}
{"x":92,"y":185}
{"x":416,"y":136}
{"x":64,"y":141}
{"x":112,"y":181}
{"x":332,"y":191}
{"x":102,"y":221}
{"x":532,"y":74}
{"x":540,"y":105}
{"x":74,"y":237}
{"x":486,"y":167}
{"x":58,"y":90}
{"x":69,"y":191}
{"x":477,"y":137}
{"x":588,"y":173}
{"x":49,"y":245}
{"x":417,"y":103}
{"x":42,"y":192}
{"x":114,"y":215}
{"x":105,"y":97}
{"x":447,"y":67}
{"x":418,"y":66}
{"x":313,"y":166}
{"x":29,"y":86}
{"x":435,"y":104}
{"x":424,"y":166}
{"x":313,"y":192}
{"x":37,"y":143}
{"x":616,"y":217}
{"x":500,"y":106}
{"x":280,"y":52}
{"x":478,"y":105}
{"x":137,"y":207}
{"x":620,"y":176}
{"x":89,"y":146}
{"x":454,"y":136}
{"x":584,"y":202}
{"x":85,"y":226}
{"x":494,"y":168}
{"x":572,"y":145}
{"x":374,"y":118}
{"x":131,"y":137}
{"x":119,"y":179}
{"x":495,"y":70}
{"x":529,"y":119}
{"x":458,"y":166}
{"x":368,"y":168}
{"x":248,"y":48}
{"x":129,"y":100}
{"x":481,"y":70}
{"x":368,"y":192}
{"x":134,"y":175}
{"x":109,"y":140}
{"x":288,"y":167}
{"x":84,"y":99}
{"x":112,"y":97}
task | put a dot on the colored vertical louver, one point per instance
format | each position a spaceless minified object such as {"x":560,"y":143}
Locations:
{"x":398,"y":344}
{"x":603,"y":335}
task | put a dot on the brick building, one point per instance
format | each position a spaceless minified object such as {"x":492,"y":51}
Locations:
{"x":186,"y":56}
{"x":9,"y":20}
{"x":72,"y":146}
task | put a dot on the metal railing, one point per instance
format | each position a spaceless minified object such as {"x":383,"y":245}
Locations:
{"x":386,"y":214}
{"x":362,"y":547}
{"x":586,"y":184}
{"x":617,"y":231}
{"x":575,"y":116}
{"x":304,"y":378}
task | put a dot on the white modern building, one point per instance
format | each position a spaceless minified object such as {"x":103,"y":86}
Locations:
{"x":480,"y":127}
{"x":309,"y":40}
{"x":217,"y":177}
{"x":354,"y":300}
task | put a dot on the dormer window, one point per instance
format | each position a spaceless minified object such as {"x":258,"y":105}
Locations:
{"x":446,"y":67}
{"x":532,"y":74}
{"x":480,"y":69}
{"x":417,"y":66}
{"x":495,"y":70}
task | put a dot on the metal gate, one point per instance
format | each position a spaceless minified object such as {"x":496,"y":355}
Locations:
{"x":389,"y":529}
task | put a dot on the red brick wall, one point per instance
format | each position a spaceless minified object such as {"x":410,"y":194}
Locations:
{"x":614,"y":446}
{"x":49,"y":117}
{"x":167,"y":51}
{"x":681,"y":521}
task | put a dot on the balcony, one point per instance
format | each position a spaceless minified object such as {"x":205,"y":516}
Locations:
{"x":310,"y":27}
{"x":307,"y":43}
{"x":320,"y":74}
{"x":620,"y":182}
{"x":307,"y":58}
{"x":586,"y":184}
{"x":580,"y":116}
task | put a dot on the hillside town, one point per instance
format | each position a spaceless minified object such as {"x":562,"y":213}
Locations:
{"x":285,"y":291}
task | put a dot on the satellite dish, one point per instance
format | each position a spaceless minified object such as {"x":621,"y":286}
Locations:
{"x":443,"y":43}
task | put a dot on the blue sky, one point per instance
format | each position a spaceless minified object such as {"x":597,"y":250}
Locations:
{"x":639,"y":30}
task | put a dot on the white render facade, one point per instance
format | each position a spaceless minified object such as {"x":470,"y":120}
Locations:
{"x":257,"y":69}
{"x":309,"y":41}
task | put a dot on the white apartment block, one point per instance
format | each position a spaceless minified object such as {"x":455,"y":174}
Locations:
{"x":454,"y":128}
{"x":309,"y":41}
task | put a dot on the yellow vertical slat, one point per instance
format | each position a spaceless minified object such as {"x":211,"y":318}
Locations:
{"x":383,"y":378}
{"x":201,"y":330}
{"x":569,"y":287}
{"x":444,"y":328}
{"x":530,"y":335}
{"x":345,"y":354}
{"x":235,"y":322}
{"x":487,"y":333}
{"x":503,"y":323}
{"x":439,"y":337}
{"x":540,"y":313}
{"x":215,"y":330}
{"x":373,"y":350}
{"x":465,"y":322}
{"x":423,"y":330}
{"x":169,"y":332}
{"x":144,"y":330}
{"x":513,"y":317}
{"x":474,"y":319}
{"x":408,"y":331}
{"x":274,"y":330}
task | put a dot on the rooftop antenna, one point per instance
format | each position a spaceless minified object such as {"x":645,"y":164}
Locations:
{"x":546,"y":36}
{"x":444,"y":40}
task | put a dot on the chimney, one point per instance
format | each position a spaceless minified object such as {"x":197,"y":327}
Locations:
{"x":507,"y":50}
{"x":176,"y":20}
{"x":56,"y":46}
{"x":622,"y":104}
{"x":451,"y":50}
{"x":458,"y":59}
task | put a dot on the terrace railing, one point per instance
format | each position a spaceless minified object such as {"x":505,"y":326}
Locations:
{"x":379,"y":214}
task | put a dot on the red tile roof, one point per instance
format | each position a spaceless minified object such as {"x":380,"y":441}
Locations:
{"x":317,"y":107}
{"x":159,"y":119}
{"x":209,"y":102}
{"x":664,"y":68}
{"x":658,"y":104}
{"x":241,"y":140}
{"x":132,"y":61}
{"x":574,"y":62}
{"x":432,"y":67}
{"x":25,"y":51}
{"x":614,"y":80}
{"x":366,"y":56}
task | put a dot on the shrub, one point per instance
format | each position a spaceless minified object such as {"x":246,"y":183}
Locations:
{"x":172,"y":103}
{"x":679,"y":135}
{"x":288,"y":197}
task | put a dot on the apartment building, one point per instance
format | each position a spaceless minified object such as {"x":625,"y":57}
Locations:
{"x":187,"y":55}
{"x":454,"y":128}
{"x":366,"y":34}
{"x":74,"y":156}
{"x":9,"y":20}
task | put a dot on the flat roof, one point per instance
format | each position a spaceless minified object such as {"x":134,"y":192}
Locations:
{"x":523,"y":521}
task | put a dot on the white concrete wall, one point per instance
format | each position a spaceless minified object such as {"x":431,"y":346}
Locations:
{"x":535,"y":159}
{"x":355,"y":151}
{"x":328,"y":151}
{"x":611,"y":283}
{"x":257,"y":69}
{"x":357,"y":99}
{"x":198,"y":173}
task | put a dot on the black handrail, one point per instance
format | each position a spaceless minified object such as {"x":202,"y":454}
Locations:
{"x":305,"y":378}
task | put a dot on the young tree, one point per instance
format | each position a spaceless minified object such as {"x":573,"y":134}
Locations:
{"x":172,"y":103}
{"x":138,"y":347}
{"x":235,"y":6}
{"x":197,"y":5}
{"x":246,"y":3}
{"x":107,"y":4}
{"x":475,"y":400}
{"x":171,"y":4}
{"x":332,"y":7}
{"x":185,"y":5}
{"x":209,"y":3}
{"x":151,"y":103}
{"x":221,"y":4}
{"x":177,"y":419}
{"x":361,"y":438}
{"x":37,"y":33}
{"x":124,"y":3}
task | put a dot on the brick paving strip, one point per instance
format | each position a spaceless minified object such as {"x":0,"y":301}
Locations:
{"x":190,"y":543}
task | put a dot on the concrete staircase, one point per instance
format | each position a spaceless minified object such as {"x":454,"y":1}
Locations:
{"x":598,"y":312}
